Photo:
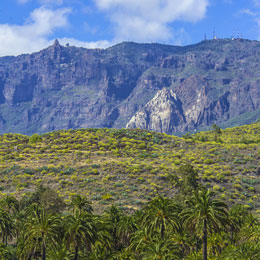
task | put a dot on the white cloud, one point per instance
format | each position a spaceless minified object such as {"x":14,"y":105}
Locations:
{"x":90,"y":45}
{"x":33,"y":35}
{"x":148,"y":20}
{"x":36,"y":33}
{"x":161,"y":10}
{"x":249,"y":12}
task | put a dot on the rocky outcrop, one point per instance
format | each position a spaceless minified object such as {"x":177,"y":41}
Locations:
{"x":163,"y":113}
{"x":152,"y":86}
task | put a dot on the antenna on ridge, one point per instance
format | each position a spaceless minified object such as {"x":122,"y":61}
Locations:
{"x":233,"y":35}
{"x":214,"y":34}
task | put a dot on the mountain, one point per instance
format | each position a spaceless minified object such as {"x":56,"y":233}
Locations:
{"x":152,"y":86}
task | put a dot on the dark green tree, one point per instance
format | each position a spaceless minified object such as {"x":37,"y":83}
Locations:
{"x":161,"y":214}
{"x":205,"y":214}
{"x":189,"y":177}
{"x":42,"y":228}
{"x":80,"y":231}
{"x":81,"y":203}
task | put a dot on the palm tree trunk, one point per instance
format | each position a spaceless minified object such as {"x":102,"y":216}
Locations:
{"x":205,"y":238}
{"x":162,"y":231}
{"x":76,"y":252}
{"x":43,"y":251}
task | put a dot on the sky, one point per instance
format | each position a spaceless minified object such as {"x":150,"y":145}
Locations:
{"x":28,"y":26}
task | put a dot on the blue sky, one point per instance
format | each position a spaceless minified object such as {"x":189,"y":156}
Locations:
{"x":30,"y":25}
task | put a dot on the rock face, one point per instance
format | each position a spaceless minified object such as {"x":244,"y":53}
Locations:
{"x":163,"y":113}
{"x":152,"y":86}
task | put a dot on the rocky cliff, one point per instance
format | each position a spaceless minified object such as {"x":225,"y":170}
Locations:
{"x":152,"y":86}
{"x":163,"y":113}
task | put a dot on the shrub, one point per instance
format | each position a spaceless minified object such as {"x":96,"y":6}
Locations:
{"x":35,"y":138}
{"x":208,"y":161}
{"x":216,"y":188}
{"x":107,"y":196}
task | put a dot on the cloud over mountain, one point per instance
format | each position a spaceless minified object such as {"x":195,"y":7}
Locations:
{"x":148,"y":20}
{"x":33,"y":34}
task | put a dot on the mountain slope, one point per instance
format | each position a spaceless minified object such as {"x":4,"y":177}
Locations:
{"x":127,"y":167}
{"x":67,"y":87}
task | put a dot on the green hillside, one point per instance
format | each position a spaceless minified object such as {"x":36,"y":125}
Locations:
{"x":129,"y":167}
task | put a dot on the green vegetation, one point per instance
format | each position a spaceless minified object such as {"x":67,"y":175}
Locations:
{"x":34,"y":139}
{"x":129,"y":167}
{"x":194,"y":226}
{"x":130,"y":194}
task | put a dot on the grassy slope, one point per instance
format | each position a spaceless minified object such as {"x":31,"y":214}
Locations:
{"x":128,"y":167}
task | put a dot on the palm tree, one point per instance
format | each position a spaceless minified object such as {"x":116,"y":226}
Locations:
{"x":126,"y":228}
{"x":10,"y":204}
{"x":112,"y":219}
{"x":205,"y":214}
{"x":81,"y":203}
{"x":7,"y":227}
{"x":79,"y":230}
{"x":161,"y":213}
{"x":41,"y":228}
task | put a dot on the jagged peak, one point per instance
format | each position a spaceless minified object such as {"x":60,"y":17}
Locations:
{"x":55,"y":49}
{"x":56,"y":46}
{"x":56,"y":43}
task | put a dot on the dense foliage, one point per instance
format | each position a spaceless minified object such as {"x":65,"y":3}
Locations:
{"x":190,"y":226}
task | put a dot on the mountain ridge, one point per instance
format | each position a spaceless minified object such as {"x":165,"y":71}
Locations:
{"x":64,"y":87}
